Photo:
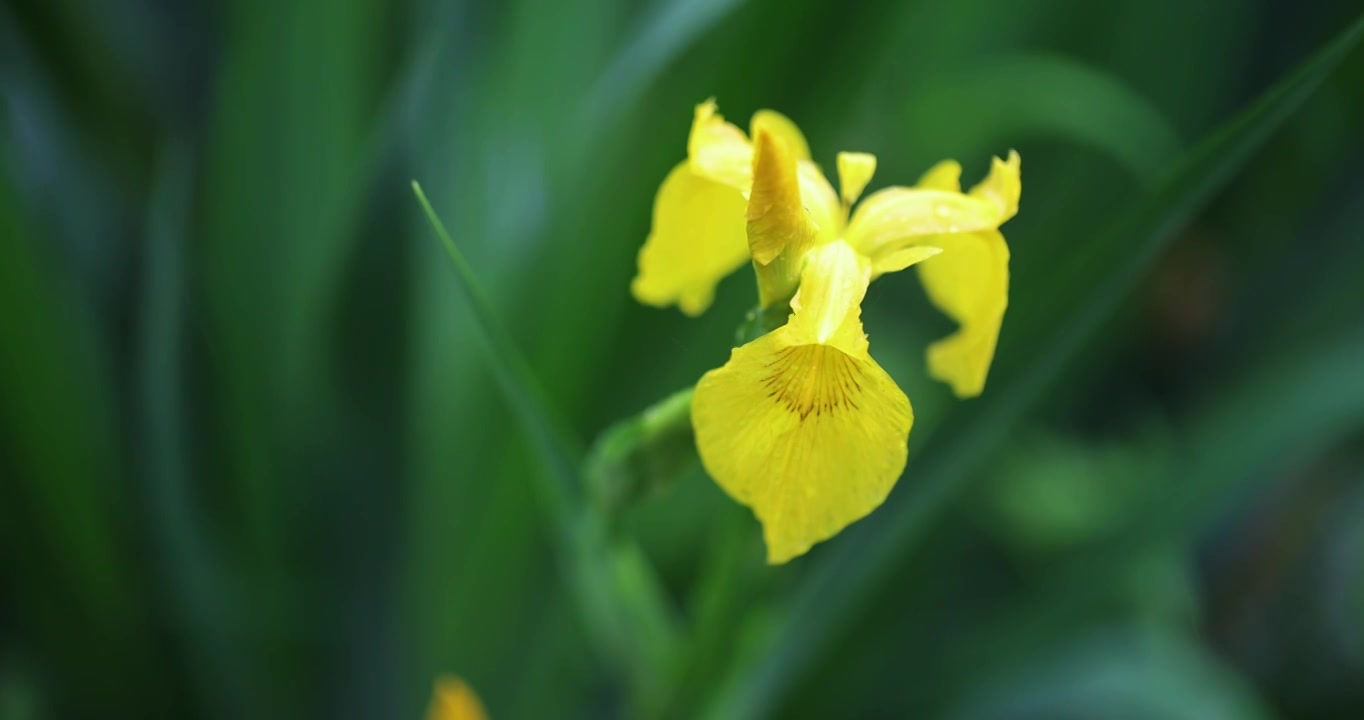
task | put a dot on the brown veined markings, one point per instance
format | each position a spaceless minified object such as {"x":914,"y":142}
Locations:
{"x":813,"y":379}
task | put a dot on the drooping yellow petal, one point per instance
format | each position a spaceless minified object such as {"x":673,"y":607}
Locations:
{"x":855,"y":170}
{"x":718,"y":150}
{"x":454,"y":700}
{"x":903,"y":258}
{"x":783,"y":128}
{"x":696,"y":240}
{"x":969,"y":282}
{"x":776,"y":215}
{"x":812,"y":436}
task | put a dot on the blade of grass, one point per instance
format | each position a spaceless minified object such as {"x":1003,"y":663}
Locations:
{"x":855,"y":566}
{"x":618,"y":596}
{"x":492,"y":134}
{"x":558,"y":447}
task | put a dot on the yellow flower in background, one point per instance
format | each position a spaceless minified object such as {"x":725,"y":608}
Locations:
{"x":801,"y":424}
{"x":453,"y":699}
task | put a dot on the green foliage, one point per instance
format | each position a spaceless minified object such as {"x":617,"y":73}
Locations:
{"x":262,"y":454}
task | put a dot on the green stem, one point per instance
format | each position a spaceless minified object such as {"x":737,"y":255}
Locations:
{"x":730,"y":579}
{"x":641,"y":454}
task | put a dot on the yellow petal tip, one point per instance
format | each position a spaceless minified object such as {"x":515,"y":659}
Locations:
{"x":1003,"y":185}
{"x":903,"y":258}
{"x":776,"y":215}
{"x":781,"y":127}
{"x":945,"y":176}
{"x":453,"y":699}
{"x":855,"y":170}
{"x":780,"y":555}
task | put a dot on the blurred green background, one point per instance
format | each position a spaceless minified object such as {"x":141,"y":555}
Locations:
{"x":257,"y":454}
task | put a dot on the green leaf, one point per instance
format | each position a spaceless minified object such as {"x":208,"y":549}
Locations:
{"x":62,"y":536}
{"x":853,"y":568}
{"x":619,"y":598}
{"x":557,"y":447}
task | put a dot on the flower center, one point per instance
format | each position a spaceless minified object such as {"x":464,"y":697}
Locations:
{"x":813,"y":379}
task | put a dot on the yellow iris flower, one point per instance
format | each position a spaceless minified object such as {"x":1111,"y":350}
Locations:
{"x":802,"y":424}
{"x":453,"y":699}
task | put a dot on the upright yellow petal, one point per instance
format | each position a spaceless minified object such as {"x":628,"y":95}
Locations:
{"x":821,"y":202}
{"x":854,"y":172}
{"x":776,"y":215}
{"x":696,"y":240}
{"x":1003,"y":185}
{"x":828,"y":307}
{"x":969,"y":282}
{"x":454,"y":700}
{"x":791,"y":209}
{"x":783,"y":128}
{"x":718,"y":150}
{"x":812,"y":436}
{"x":946,"y":176}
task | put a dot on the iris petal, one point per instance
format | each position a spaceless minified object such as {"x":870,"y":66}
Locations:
{"x":897,"y":216}
{"x":801,"y":424}
{"x":855,"y":170}
{"x":455,"y":700}
{"x":777,"y":220}
{"x":697,"y":239}
{"x":969,"y":282}
{"x":809,"y":436}
{"x":718,"y":150}
{"x":969,"y":279}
